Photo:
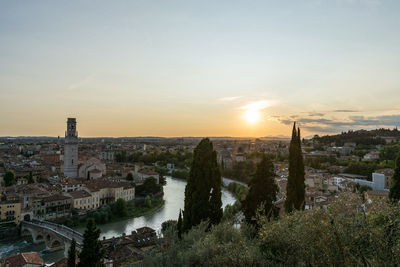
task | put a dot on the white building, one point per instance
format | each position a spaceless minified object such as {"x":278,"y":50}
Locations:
{"x":378,"y":182}
{"x":71,"y":150}
{"x":371,"y":155}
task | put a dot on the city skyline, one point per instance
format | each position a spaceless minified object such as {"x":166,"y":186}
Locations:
{"x":199,"y":69}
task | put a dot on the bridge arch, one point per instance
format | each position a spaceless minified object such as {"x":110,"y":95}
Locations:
{"x":39,"y":238}
{"x":55,"y":244}
{"x":55,"y":236}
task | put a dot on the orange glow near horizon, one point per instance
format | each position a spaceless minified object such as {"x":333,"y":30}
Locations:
{"x":252,"y":116}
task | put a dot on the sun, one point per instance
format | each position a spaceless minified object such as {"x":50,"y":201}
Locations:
{"x":252,"y":116}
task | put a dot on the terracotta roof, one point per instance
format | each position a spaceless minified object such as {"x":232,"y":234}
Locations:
{"x":79,"y":194}
{"x":61,"y":263}
{"x":23,"y":259}
{"x":32,"y":257}
{"x":96,"y":185}
{"x":55,"y":198}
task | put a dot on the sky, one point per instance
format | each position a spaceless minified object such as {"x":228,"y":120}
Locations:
{"x":198,"y":68}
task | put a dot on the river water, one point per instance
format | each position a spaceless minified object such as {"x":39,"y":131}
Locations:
{"x":174,"y":192}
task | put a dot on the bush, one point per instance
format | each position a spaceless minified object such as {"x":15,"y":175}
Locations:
{"x":238,"y":190}
{"x":348,"y":233}
{"x":343,"y":235}
{"x":168,"y":226}
{"x":119,"y":208}
{"x":180,"y":174}
{"x":149,"y":187}
{"x":223,"y":245}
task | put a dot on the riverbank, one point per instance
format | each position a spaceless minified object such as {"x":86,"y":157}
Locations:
{"x":106,"y":216}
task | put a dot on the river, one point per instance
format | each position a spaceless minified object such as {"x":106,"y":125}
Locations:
{"x":174,"y":200}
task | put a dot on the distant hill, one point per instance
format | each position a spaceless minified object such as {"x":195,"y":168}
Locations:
{"x":363,"y":137}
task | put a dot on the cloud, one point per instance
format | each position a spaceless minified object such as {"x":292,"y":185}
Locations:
{"x":258,"y":105}
{"x":344,"y":110}
{"x":315,"y":114}
{"x":351,"y":122}
{"x":230,"y":98}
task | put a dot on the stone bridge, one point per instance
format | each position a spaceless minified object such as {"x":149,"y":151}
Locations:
{"x":55,"y":236}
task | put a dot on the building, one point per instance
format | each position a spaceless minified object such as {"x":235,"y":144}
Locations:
{"x":92,"y":169}
{"x":144,"y":173}
{"x":224,"y":158}
{"x":71,"y":150}
{"x":240,"y":157}
{"x":371,"y":155}
{"x":82,"y":200}
{"x":25,"y":259}
{"x":132,"y":247}
{"x":343,"y":151}
{"x":52,"y":207}
{"x":388,"y":176}
{"x":105,"y":192}
{"x":378,"y":182}
{"x":107,"y":155}
{"x":10,"y":211}
{"x":70,"y":185}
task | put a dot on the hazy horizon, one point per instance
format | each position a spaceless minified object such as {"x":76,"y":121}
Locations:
{"x":189,"y":68}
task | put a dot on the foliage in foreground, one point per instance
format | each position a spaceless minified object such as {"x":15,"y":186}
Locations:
{"x":221,"y":246}
{"x":344,"y":235}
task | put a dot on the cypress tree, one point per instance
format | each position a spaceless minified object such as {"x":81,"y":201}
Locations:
{"x":203,"y":188}
{"x":92,"y":250}
{"x":262,"y":192}
{"x":179,"y":225}
{"x":295,"y":188}
{"x":394,"y":193}
{"x":72,"y":254}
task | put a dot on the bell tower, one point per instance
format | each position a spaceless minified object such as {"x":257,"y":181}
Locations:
{"x":71,"y":150}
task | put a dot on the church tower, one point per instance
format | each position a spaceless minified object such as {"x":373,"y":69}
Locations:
{"x":71,"y":150}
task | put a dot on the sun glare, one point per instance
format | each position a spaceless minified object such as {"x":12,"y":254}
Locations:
{"x":252,"y":116}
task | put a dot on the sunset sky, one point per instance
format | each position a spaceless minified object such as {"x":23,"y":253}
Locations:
{"x":198,"y":68}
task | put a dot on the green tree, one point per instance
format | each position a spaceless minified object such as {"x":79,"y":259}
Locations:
{"x":180,"y":173}
{"x":149,"y":187}
{"x":9,"y":178}
{"x":120,"y":208}
{"x":72,"y":254}
{"x":168,"y":225}
{"x":295,"y":189}
{"x":203,"y":188}
{"x":394,"y":193}
{"x":92,"y":250}
{"x":147,"y":201}
{"x":129,"y":177}
{"x":262,"y":192}
{"x":179,"y":225}
{"x":30,"y":178}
